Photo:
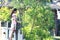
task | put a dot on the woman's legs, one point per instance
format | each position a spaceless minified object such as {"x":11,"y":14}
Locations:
{"x":11,"y":33}
{"x":13,"y":28}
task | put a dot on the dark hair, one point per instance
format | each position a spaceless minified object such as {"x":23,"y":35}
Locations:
{"x":13,"y":11}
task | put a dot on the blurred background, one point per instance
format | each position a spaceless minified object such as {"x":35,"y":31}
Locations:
{"x":37,"y":17}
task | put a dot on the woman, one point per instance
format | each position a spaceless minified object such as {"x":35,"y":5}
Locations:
{"x":13,"y":23}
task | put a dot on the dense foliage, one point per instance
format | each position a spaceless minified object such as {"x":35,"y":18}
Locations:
{"x":4,"y":14}
{"x":38,"y":21}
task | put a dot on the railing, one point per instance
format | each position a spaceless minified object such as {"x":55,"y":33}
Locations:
{"x":7,"y":30}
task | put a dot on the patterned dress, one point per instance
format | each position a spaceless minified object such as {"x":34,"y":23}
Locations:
{"x":13,"y":21}
{"x":13,"y":24}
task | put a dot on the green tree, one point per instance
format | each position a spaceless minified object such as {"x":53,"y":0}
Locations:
{"x":38,"y":20}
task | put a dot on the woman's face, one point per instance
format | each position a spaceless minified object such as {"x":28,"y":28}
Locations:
{"x":15,"y":11}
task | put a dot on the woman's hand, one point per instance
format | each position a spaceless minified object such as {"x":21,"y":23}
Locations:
{"x":18,"y":22}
